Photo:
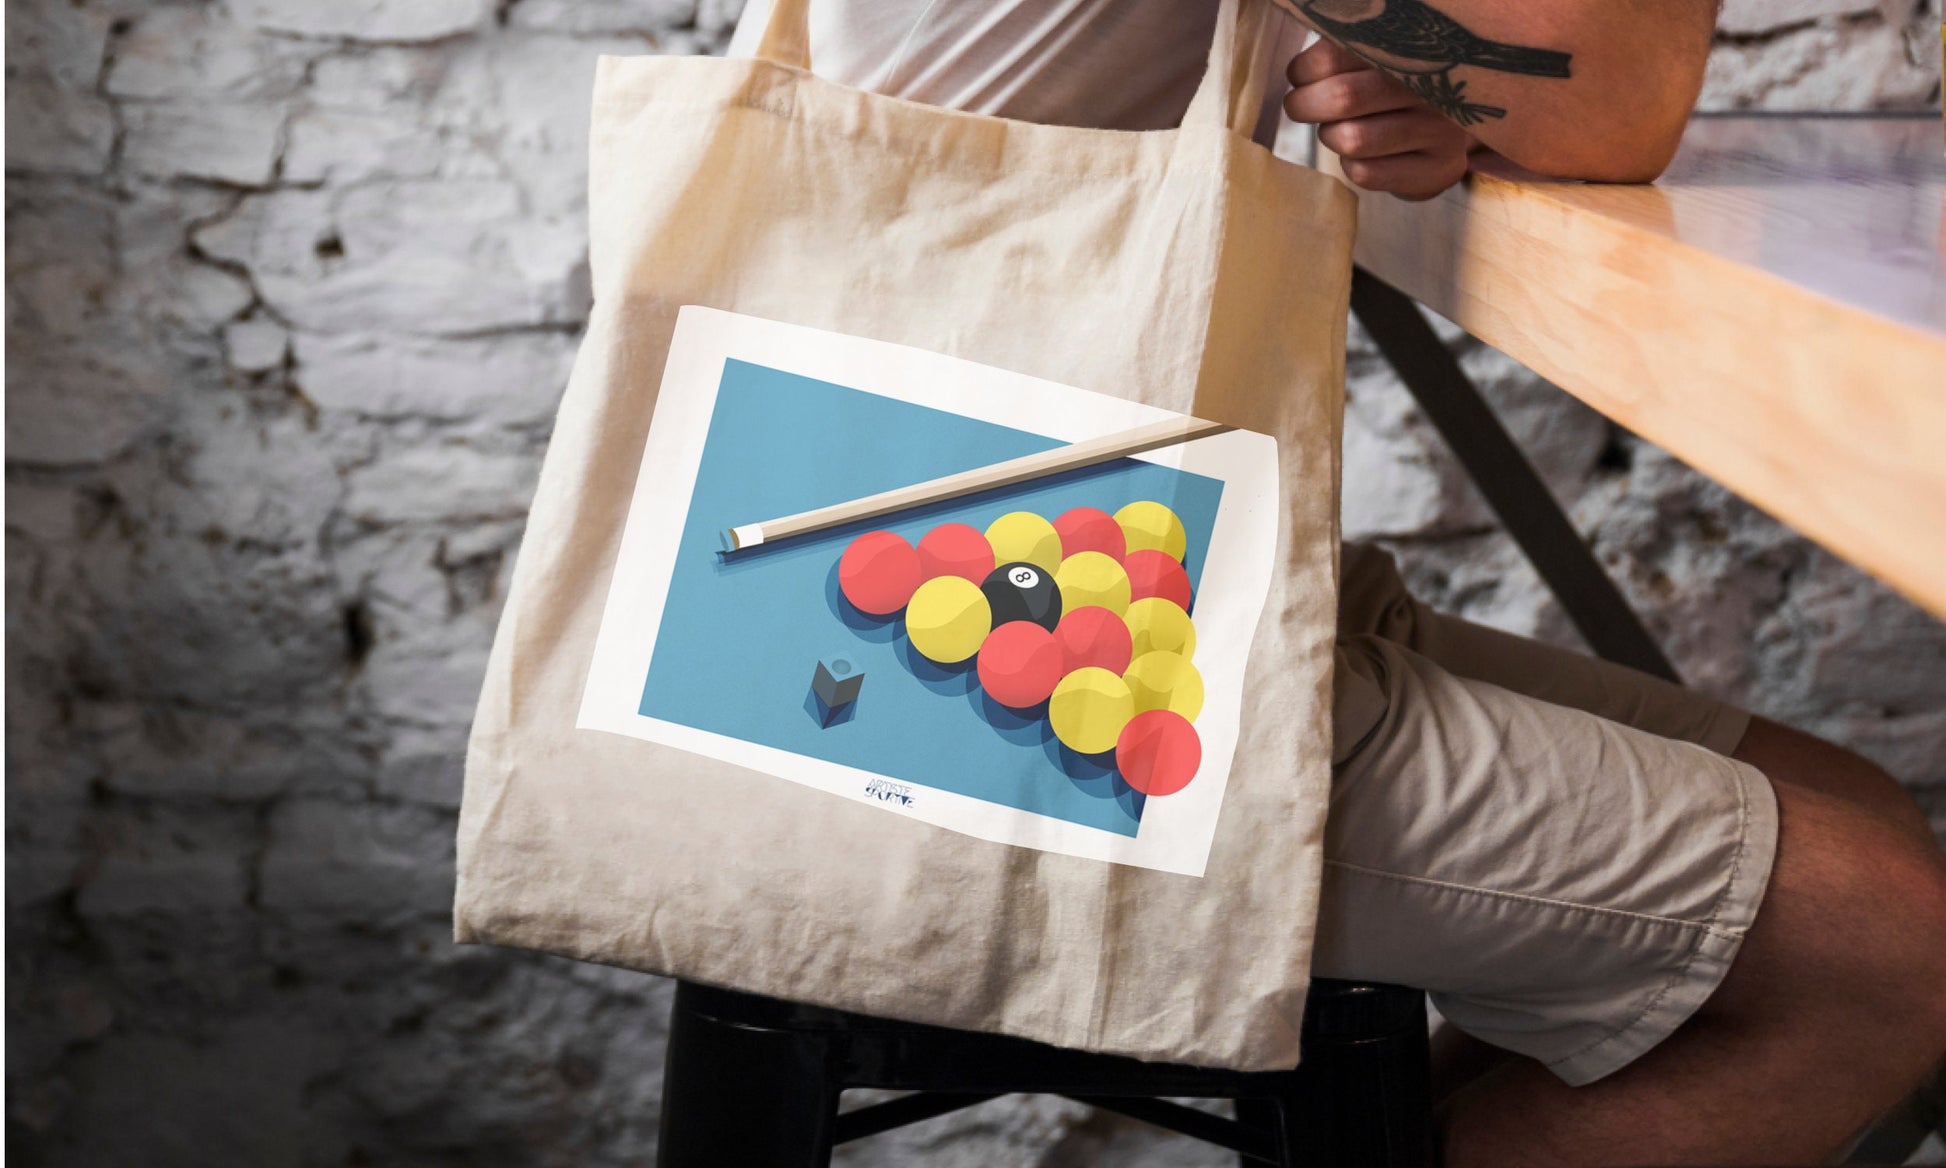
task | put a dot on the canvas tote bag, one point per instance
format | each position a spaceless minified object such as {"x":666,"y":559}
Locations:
{"x":703,"y":759}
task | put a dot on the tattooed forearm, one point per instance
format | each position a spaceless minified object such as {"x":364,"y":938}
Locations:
{"x":1421,"y":46}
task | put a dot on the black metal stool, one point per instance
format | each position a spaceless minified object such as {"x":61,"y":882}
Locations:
{"x":753,"y":1082}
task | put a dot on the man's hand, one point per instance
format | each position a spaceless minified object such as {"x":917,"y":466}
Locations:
{"x":1386,"y":139}
{"x":1587,"y":89}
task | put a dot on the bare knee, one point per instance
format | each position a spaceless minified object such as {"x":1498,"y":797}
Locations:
{"x":1849,"y":945}
{"x":1803,"y":760}
{"x":1910,"y":902}
{"x":1911,"y":967}
{"x":1925,"y":985}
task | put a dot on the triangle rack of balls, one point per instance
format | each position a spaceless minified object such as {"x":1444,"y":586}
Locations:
{"x":1084,"y":617}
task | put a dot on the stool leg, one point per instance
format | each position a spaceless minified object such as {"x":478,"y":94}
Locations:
{"x":1362,"y":1104}
{"x":738,"y":1094}
{"x":1263,"y":1115}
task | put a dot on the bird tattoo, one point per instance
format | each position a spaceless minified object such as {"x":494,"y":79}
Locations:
{"x":1421,"y":46}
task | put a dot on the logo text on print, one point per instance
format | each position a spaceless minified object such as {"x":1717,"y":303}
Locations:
{"x":887,"y":791}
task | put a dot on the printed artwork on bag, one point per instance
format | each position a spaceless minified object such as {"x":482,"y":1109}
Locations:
{"x":999,"y":605}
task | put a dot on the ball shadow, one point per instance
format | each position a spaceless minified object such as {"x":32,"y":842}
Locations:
{"x":1093,"y":775}
{"x":1020,"y":727}
{"x":952,"y":680}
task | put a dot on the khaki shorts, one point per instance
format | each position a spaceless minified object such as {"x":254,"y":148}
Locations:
{"x":1559,"y":849}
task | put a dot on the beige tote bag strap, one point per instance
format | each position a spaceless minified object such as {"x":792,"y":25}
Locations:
{"x":1233,"y":83}
{"x":787,"y":34}
{"x":1229,"y":95}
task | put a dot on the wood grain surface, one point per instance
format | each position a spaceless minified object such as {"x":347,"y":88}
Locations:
{"x":1772,"y":311}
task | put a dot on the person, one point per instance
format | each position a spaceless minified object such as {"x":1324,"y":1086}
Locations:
{"x":1664,"y":930}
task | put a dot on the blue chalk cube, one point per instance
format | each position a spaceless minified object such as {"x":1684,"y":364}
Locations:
{"x":837,"y":681}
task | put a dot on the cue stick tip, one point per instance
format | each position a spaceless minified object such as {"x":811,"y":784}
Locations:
{"x":738,"y":538}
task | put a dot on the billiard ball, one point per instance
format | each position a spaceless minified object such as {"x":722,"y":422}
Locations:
{"x":1090,"y":635}
{"x":878,"y":573}
{"x":1089,"y":709}
{"x":954,"y":549}
{"x":1165,"y":681}
{"x":1154,"y":573}
{"x":1090,"y":529}
{"x":1158,"y":752}
{"x":1093,"y":578}
{"x":1019,"y":664}
{"x":1149,"y":526}
{"x":947,"y":619}
{"x":1021,"y":591}
{"x":1154,"y":623}
{"x":1023,"y":535}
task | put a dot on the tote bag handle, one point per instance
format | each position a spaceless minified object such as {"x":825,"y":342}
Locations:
{"x":1227,"y":98}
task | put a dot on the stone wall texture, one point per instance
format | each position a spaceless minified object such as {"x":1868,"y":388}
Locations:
{"x":292,"y":288}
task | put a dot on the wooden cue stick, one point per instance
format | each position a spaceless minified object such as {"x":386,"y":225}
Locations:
{"x":1107,"y":448}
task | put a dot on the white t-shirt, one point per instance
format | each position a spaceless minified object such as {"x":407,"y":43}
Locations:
{"x":1111,"y":64}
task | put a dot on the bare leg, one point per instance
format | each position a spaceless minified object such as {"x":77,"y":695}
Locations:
{"x":1831,"y":1012}
{"x":1458,"y":1058}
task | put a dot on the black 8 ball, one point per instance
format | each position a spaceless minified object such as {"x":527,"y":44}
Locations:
{"x":1022,"y":592}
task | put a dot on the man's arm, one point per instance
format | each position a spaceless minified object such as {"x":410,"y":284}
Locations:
{"x":1596,"y":89}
